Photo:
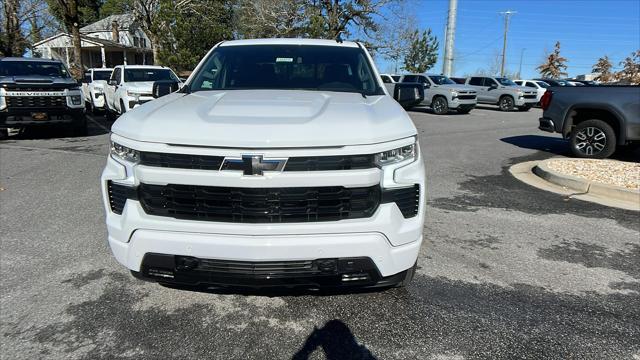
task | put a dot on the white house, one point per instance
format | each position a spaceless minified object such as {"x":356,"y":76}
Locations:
{"x":114,"y":40}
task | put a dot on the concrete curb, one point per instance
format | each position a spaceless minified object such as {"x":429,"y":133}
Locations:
{"x":585,"y":186}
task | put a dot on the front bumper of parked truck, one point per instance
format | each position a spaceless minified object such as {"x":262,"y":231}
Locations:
{"x":372,"y":246}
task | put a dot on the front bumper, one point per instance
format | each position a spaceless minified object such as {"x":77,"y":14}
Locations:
{"x":520,"y":101}
{"x":546,"y":125}
{"x":455,"y":103}
{"x":23,"y":117}
{"x":390,"y":240}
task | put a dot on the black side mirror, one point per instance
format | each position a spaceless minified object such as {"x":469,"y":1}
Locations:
{"x":164,"y":87}
{"x":408,"y":94}
{"x":493,"y":86}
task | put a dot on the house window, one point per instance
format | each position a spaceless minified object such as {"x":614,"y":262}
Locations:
{"x":136,"y":41}
{"x":143,"y":42}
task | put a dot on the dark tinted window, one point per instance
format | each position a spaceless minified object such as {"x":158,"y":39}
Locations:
{"x":477,"y":81}
{"x":141,"y":74}
{"x":305,"y":67}
{"x":543,"y":84}
{"x":490,"y":82}
{"x":410,"y":78}
{"x":396,"y":77}
{"x":36,"y":68}
{"x":101,"y":74}
{"x":386,"y":79}
{"x":86,"y":78}
{"x":441,"y":80}
{"x":506,"y":82}
{"x":116,"y":75}
{"x":531,"y":85}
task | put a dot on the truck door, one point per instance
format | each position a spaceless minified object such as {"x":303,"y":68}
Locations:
{"x":491,"y":93}
{"x":477,"y":83}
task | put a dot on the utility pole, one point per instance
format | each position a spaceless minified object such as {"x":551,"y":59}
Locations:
{"x":506,"y":14}
{"x":450,"y":35}
{"x":520,"y":67}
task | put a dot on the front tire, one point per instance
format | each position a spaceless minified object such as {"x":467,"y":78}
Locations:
{"x":506,"y":103}
{"x":440,"y":105}
{"x":593,"y":139}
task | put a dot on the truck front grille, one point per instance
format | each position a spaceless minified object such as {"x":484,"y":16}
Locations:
{"x":466,"y":97}
{"x":308,"y":163}
{"x":259,"y":205}
{"x":527,"y":96}
{"x":36,"y":102}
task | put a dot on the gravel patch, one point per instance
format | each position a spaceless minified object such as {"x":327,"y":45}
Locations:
{"x":611,"y":172}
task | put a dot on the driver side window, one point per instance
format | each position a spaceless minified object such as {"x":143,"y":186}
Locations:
{"x":489,"y":82}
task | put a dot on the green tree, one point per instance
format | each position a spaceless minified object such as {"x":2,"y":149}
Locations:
{"x":554,"y":66}
{"x":630,"y":72}
{"x":192,"y":30}
{"x":422,"y":53}
{"x":115,"y":7}
{"x":603,"y":68}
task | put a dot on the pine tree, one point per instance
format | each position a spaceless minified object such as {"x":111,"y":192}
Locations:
{"x":603,"y":68}
{"x":554,"y":66}
{"x":422,"y":53}
{"x":630,"y":72}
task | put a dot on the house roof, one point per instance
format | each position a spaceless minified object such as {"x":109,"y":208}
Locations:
{"x":124,"y":23}
{"x":89,"y":39}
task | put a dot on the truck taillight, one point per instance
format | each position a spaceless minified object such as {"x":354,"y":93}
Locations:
{"x":545,"y":100}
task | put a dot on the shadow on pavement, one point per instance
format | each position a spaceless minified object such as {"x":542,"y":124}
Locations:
{"x":560,"y":146}
{"x":554,"y":145}
{"x":336,"y":340}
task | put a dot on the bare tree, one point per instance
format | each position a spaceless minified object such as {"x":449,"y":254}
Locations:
{"x":630,"y":72}
{"x":554,"y":66}
{"x":272,"y":18}
{"x":329,"y":18}
{"x":603,"y":68}
{"x":12,"y":41}
{"x":71,"y":20}
{"x":146,"y":13}
{"x":393,"y":39}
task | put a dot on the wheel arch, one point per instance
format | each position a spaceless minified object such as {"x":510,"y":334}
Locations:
{"x":582,"y":112}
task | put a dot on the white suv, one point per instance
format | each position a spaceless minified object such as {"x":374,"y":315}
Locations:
{"x":93,"y":85}
{"x":131,"y":86}
{"x":281,"y":162}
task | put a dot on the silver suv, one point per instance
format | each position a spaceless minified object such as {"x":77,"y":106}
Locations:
{"x":443,"y":94}
{"x":502,"y":92}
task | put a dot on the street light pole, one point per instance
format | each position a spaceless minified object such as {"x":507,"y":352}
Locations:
{"x":520,"y":67}
{"x":450,"y":33}
{"x":506,"y":14}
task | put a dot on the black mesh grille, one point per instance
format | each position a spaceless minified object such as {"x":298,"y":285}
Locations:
{"x":256,"y":268}
{"x":530,"y":96}
{"x":314,"y":163}
{"x":466,"y":97}
{"x":23,"y":102}
{"x":407,"y":199}
{"x":259,"y":205}
{"x":181,"y":161}
{"x":311,"y":163}
{"x":118,"y":195}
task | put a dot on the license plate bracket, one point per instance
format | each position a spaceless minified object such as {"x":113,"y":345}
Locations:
{"x":39,"y":116}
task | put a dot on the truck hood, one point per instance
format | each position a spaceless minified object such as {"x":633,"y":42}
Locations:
{"x":31,"y":81}
{"x":266,"y":119}
{"x":140,"y":86}
{"x":456,"y":87}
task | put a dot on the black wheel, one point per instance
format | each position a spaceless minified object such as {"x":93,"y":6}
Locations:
{"x":594,"y":139}
{"x":440,"y":105}
{"x":464,"y":109}
{"x":108,"y":113}
{"x":506,"y":103}
{"x":4,"y":133}
{"x":408,"y":276}
{"x":524,"y":108}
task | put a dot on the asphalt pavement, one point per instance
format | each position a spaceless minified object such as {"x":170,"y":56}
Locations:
{"x":507,"y":271}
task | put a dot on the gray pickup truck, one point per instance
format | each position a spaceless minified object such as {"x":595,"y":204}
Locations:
{"x":595,"y":119}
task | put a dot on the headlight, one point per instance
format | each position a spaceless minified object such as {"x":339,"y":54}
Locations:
{"x":454,"y":93}
{"x":395,"y":155}
{"x":520,"y":94}
{"x":124,"y":153}
{"x":76,"y":99}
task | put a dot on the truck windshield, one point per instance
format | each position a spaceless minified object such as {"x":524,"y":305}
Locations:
{"x":101,"y":74}
{"x":131,"y":75}
{"x":441,"y":80}
{"x":543,"y":84}
{"x":506,"y":82}
{"x":34,"y":68}
{"x":280,"y":67}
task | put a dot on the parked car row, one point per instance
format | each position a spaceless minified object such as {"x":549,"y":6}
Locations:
{"x":118,"y":90}
{"x":443,"y":94}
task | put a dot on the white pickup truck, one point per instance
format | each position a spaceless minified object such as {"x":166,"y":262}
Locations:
{"x":94,"y":82}
{"x":131,"y":85}
{"x":443,"y":94}
{"x":281,"y":162}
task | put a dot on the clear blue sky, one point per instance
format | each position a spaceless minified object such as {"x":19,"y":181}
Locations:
{"x":586,"y":29}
